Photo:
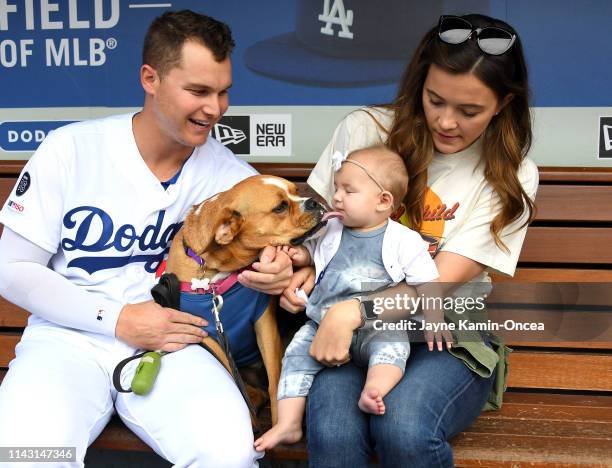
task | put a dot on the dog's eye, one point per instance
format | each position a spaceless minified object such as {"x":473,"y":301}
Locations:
{"x":281,"y":207}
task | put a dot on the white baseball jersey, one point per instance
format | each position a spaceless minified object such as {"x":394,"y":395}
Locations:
{"x":88,"y":197}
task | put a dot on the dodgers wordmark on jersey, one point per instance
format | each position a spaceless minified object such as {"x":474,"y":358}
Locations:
{"x":88,"y":197}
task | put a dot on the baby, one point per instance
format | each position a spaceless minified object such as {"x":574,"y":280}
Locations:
{"x":361,"y":251}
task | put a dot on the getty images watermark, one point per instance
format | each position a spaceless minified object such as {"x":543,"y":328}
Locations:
{"x":516,"y":311}
{"x":449,"y":305}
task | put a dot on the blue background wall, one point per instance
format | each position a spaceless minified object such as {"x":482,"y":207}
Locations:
{"x":567,"y":45}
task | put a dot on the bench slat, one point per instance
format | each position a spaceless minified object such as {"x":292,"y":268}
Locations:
{"x":550,"y":399}
{"x":567,"y":245}
{"x":542,"y":427}
{"x":548,"y":174}
{"x":6,"y":185}
{"x":8,"y":341}
{"x":563,"y":329}
{"x":563,"y":371}
{"x":550,"y":412}
{"x":588,"y":203}
{"x":556,"y":275}
{"x":510,"y":451}
{"x":593,"y":175}
{"x":573,"y":345}
{"x":566,"y":296}
{"x":11,"y":315}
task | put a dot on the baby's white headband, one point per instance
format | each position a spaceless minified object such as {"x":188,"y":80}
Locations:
{"x":339,"y":158}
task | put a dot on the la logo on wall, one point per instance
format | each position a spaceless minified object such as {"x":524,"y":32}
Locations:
{"x":605,"y":138}
{"x":339,"y":15}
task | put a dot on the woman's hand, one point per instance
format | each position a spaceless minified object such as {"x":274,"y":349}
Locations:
{"x":272,"y":273}
{"x":331,"y":343}
{"x":437,"y":330}
{"x":303,"y":279}
{"x":149,"y":326}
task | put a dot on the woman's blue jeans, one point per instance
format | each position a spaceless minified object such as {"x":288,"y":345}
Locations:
{"x":437,"y":398}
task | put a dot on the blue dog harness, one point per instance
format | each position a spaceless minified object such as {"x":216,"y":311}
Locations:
{"x":242,"y":307}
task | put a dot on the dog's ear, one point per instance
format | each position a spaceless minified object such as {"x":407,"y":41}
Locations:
{"x":231,"y":222}
{"x":209,"y":222}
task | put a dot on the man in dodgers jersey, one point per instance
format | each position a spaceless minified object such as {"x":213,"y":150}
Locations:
{"x":86,"y":227}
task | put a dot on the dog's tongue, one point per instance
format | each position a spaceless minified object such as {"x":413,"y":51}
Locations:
{"x":331,"y":214}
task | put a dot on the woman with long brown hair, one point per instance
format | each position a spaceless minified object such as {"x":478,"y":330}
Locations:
{"x":461,"y":122}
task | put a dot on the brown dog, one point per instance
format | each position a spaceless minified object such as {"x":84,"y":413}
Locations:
{"x":226,"y":233}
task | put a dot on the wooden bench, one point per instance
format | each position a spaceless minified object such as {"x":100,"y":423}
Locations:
{"x":558,"y":408}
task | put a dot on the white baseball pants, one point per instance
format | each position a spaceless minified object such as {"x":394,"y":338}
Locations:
{"x":58,"y":392}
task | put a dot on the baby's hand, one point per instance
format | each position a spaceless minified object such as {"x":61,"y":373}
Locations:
{"x":437,"y":330}
{"x":299,"y":255}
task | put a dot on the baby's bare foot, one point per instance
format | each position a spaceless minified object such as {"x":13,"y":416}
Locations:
{"x":371,"y":402}
{"x":279,"y":434}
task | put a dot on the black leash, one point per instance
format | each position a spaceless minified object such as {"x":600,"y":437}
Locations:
{"x":119,"y":369}
{"x":167,"y":294}
{"x":224,"y":343}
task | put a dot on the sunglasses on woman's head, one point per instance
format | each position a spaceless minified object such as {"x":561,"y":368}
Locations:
{"x":490,"y":39}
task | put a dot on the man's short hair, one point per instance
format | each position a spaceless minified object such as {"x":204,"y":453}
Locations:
{"x":166,"y":35}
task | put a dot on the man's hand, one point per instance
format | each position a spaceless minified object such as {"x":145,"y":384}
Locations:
{"x":272,"y":273}
{"x":149,"y":326}
{"x":303,"y":279}
{"x":331,"y":343}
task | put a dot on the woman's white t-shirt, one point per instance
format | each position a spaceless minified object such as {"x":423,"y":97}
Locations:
{"x":460,"y":204}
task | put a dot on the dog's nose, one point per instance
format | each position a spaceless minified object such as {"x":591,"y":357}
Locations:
{"x":311,"y":205}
